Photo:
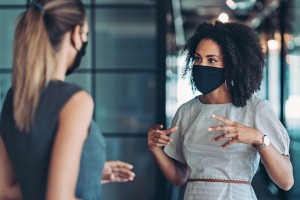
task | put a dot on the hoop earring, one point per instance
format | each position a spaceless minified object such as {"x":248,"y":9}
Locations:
{"x":226,"y":85}
{"x":231,"y":85}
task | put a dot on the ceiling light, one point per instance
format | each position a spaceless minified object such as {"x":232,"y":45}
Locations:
{"x":223,"y":17}
{"x":240,"y":4}
{"x":273,"y":45}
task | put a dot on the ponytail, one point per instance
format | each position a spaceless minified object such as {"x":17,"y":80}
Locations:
{"x":38,"y":33}
{"x":33,"y":65}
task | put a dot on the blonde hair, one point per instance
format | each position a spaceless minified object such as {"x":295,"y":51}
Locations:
{"x":38,"y":35}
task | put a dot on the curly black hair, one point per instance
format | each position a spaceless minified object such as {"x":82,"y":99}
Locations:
{"x":243,"y":57}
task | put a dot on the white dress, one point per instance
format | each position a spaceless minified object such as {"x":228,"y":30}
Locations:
{"x":192,"y":144}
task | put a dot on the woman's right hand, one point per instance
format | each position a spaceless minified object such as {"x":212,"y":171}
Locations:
{"x":158,"y":138}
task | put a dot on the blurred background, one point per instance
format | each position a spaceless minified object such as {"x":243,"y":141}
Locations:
{"x":133,"y":71}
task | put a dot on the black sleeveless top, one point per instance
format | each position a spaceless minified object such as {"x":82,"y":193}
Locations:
{"x":30,"y":153}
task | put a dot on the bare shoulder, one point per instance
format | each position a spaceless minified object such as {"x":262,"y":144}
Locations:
{"x":80,"y":99}
{"x":77,"y":113}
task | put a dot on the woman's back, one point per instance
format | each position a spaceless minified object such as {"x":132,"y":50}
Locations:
{"x":30,"y":152}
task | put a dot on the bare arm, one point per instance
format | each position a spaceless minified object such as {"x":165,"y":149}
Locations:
{"x":9,"y":186}
{"x":74,"y":121}
{"x":175,"y":171}
{"x":277,"y":165}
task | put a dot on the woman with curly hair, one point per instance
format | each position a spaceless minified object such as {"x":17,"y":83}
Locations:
{"x":218,"y":138}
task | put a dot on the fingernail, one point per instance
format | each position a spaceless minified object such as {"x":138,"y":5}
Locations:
{"x":213,"y":115}
{"x":221,"y":147}
{"x":213,"y":140}
{"x":210,"y":129}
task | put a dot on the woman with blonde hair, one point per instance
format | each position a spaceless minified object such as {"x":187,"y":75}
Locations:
{"x":50,"y":148}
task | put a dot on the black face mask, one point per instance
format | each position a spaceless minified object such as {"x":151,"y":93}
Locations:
{"x":207,"y":78}
{"x":78,"y":58}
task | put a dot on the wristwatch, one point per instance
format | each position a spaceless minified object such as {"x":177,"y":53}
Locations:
{"x":265,"y":143}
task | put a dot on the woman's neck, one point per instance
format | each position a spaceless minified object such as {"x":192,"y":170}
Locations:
{"x":61,"y":66}
{"x":62,"y":58}
{"x":218,"y":96}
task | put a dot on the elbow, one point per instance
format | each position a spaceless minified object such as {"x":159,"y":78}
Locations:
{"x":179,"y":181}
{"x":288,"y":185}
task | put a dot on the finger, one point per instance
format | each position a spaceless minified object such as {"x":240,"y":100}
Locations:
{"x":121,"y":179}
{"x":171,"y":130}
{"x":121,"y":164}
{"x":106,"y":169}
{"x":162,"y":136}
{"x":106,"y":176}
{"x":229,"y":143}
{"x":157,"y":127}
{"x":127,"y":174}
{"x":123,"y":171}
{"x":161,"y":141}
{"x":225,"y":136}
{"x":120,"y":176}
{"x":228,"y":128}
{"x":223,"y":119}
{"x":154,"y":144}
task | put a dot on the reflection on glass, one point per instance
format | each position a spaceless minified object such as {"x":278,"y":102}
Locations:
{"x":7,"y":29}
{"x":86,"y":1}
{"x":125,"y":102}
{"x":5,"y":84}
{"x":83,"y":80}
{"x":13,"y":2}
{"x":125,"y":38}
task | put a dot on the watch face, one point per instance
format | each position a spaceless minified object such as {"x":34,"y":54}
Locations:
{"x":266,"y":140}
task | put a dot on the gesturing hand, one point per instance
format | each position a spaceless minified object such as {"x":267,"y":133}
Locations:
{"x":117,"y":171}
{"x":236,"y":132}
{"x":158,"y":138}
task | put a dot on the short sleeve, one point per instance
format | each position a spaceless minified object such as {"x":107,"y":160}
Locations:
{"x":174,"y":149}
{"x":267,"y":122}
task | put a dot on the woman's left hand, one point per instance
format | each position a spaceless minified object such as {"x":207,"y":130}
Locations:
{"x":117,"y":171}
{"x":236,"y":132}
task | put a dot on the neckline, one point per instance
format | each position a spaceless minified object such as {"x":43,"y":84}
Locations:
{"x":212,"y":104}
{"x":55,"y":81}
